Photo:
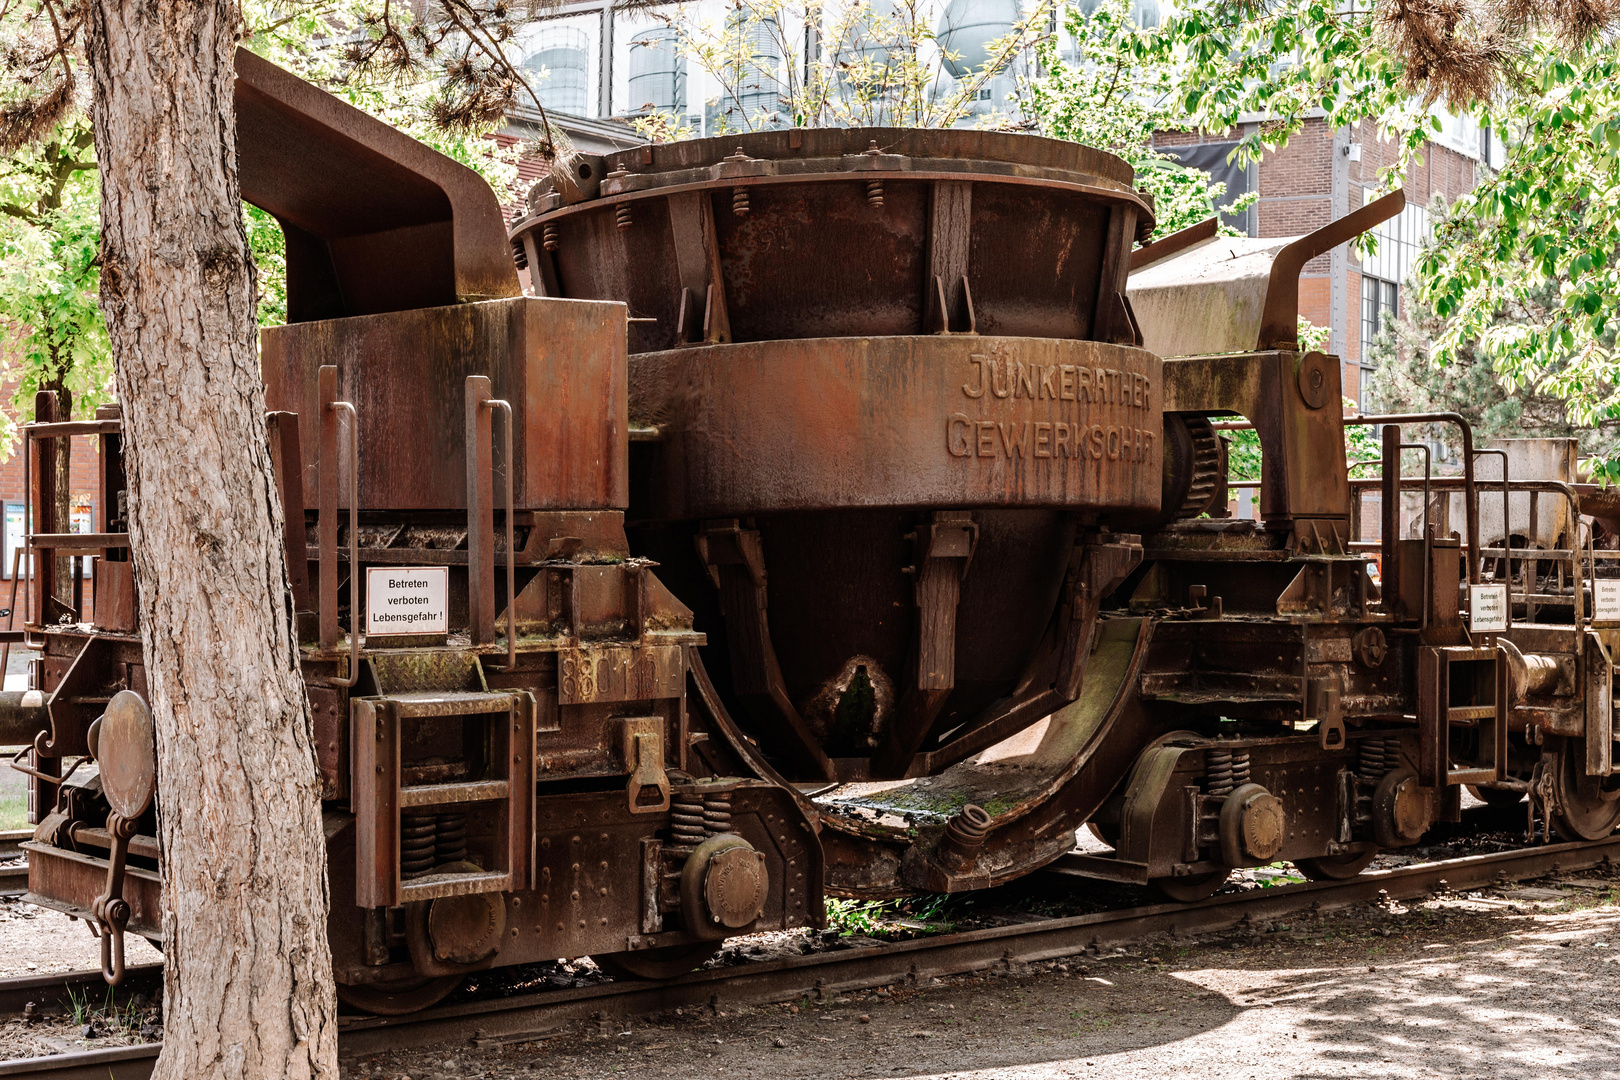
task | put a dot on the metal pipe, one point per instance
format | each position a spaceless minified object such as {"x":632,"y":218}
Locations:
{"x":1428,"y":532}
{"x":511,"y":547}
{"x":1541,"y":672}
{"x":355,"y":609}
{"x":1389,"y":481}
{"x":22,"y":717}
{"x":28,"y":530}
{"x":1507,"y":516}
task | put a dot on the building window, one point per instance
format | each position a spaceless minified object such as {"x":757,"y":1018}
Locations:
{"x":1378,"y":300}
{"x":1400,"y":239}
{"x":13,"y":537}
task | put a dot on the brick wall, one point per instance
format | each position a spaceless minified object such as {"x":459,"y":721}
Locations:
{"x":1314,"y":297}
{"x":1440,"y":170}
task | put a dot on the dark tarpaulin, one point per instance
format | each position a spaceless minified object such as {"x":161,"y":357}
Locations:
{"x":1212,"y":159}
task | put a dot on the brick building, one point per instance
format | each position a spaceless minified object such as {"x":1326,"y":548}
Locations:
{"x":1323,"y":174}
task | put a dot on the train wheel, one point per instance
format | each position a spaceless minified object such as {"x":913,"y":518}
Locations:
{"x":1189,"y":890}
{"x":399,"y":996}
{"x":1496,"y":797}
{"x":657,"y":964}
{"x":1336,"y":867}
{"x":1587,"y":810}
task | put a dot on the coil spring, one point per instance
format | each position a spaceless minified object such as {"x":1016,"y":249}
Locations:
{"x":548,"y":236}
{"x":1218,"y":771}
{"x":622,"y":216}
{"x":416,"y":844}
{"x":520,"y":257}
{"x":1378,"y":756}
{"x":685,"y":824}
{"x":739,"y":201}
{"x":716,"y":815}
{"x":874,"y":192}
{"x":450,"y":841}
{"x":1225,"y":770}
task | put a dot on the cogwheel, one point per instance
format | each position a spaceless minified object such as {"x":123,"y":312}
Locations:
{"x":1206,"y":467}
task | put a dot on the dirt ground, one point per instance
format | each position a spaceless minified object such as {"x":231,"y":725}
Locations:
{"x":38,"y":941}
{"x":1511,"y":983}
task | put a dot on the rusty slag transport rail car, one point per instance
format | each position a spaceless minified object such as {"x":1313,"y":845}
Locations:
{"x":843,"y":515}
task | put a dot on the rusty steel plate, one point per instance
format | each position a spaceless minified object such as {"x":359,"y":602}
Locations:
{"x":560,"y":364}
{"x":900,"y":422}
{"x":843,"y":231}
{"x":126,"y":748}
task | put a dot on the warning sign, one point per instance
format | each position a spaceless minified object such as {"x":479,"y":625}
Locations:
{"x":1606,"y":600}
{"x":1487,"y":608}
{"x":408,"y":600}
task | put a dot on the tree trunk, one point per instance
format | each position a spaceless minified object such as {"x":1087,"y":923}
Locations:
{"x":247,"y":978}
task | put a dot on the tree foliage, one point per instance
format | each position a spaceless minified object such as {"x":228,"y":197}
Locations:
{"x":1109,"y":98}
{"x":1544,"y":76}
{"x":50,"y":231}
{"x":1524,"y":273}
{"x":1407,"y":378}
{"x":50,"y":194}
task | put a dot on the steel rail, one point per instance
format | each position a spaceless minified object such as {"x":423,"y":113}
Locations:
{"x":906,"y":962}
{"x":13,"y":875}
{"x":49,"y":993}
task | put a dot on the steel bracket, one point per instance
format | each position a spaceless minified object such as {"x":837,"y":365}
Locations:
{"x":643,"y":748}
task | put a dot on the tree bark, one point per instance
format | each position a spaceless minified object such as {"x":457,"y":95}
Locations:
{"x":247,"y":978}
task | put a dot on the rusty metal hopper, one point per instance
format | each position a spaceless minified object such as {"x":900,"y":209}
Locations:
{"x":828,"y":232}
{"x":883,"y":383}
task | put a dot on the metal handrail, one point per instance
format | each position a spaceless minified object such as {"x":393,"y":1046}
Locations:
{"x":1470,"y":496}
{"x":511,"y":547}
{"x":354,"y":543}
{"x":1428,"y":534}
{"x":1507,"y":518}
{"x":1551,"y":487}
{"x":1471,"y":501}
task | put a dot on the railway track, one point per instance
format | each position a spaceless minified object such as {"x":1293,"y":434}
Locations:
{"x":13,"y":867}
{"x":534,"y":1015}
